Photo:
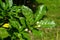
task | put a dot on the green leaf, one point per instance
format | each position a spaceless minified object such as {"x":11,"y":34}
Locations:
{"x":14,"y":23}
{"x":2,"y":4}
{"x":27,"y":12}
{"x":13,"y":14}
{"x":3,"y":33}
{"x":28,"y":25}
{"x":13,"y":37}
{"x":16,"y":9}
{"x":21,"y":39}
{"x":39,"y":1}
{"x":3,"y":14}
{"x":17,"y":34}
{"x":1,"y":17}
{"x":41,"y":11}
{"x":1,"y":21}
{"x":47,"y":23}
{"x":9,"y":3}
{"x":37,"y":33}
{"x":26,"y":35}
{"x":22,"y":20}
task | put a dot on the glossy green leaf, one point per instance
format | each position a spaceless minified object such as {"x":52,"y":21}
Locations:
{"x":41,"y":11}
{"x":27,"y":12}
{"x":3,"y":33}
{"x":47,"y":23}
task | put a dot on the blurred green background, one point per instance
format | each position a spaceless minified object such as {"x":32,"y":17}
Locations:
{"x":54,"y":14}
{"x":53,"y":9}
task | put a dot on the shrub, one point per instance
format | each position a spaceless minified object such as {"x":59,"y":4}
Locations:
{"x":18,"y":21}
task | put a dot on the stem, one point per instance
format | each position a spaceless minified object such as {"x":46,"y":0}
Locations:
{"x":57,"y":35}
{"x":31,"y":35}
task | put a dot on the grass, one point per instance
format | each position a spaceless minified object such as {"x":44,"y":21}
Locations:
{"x":49,"y":34}
{"x":53,"y":10}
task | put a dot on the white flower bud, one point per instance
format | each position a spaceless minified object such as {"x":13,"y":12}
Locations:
{"x":26,"y":29}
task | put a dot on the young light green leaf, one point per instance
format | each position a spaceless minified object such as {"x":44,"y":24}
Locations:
{"x":47,"y":23}
{"x":9,"y":3}
{"x":3,"y":33}
{"x":2,"y":4}
{"x":27,"y":12}
{"x":41,"y":11}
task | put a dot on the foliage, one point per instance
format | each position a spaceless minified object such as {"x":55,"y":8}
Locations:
{"x":18,"y":18}
{"x":3,"y":33}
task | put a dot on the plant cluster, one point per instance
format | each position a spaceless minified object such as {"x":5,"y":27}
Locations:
{"x":16,"y":22}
